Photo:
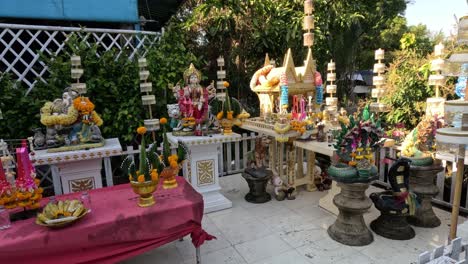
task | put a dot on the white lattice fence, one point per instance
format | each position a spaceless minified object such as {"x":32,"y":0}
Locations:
{"x":20,"y":46}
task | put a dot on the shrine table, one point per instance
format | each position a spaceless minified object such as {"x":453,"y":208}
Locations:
{"x":115,"y":230}
{"x":75,"y":171}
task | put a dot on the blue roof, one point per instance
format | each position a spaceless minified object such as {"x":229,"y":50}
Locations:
{"x":124,"y":11}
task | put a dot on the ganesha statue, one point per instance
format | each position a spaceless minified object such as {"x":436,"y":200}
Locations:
{"x":71,"y":124}
{"x":192,"y":101}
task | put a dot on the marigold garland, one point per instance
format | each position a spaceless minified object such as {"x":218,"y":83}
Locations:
{"x":83,"y":105}
{"x":48,"y":119}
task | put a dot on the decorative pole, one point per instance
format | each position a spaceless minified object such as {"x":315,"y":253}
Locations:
{"x":76,"y":73}
{"x":435,"y":105}
{"x":308,"y":26}
{"x":379,"y":82}
{"x":221,"y":74}
{"x":331,"y":102}
{"x":147,"y":99}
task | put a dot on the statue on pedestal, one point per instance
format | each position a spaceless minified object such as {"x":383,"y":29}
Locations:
{"x":71,"y":124}
{"x":193,"y":102}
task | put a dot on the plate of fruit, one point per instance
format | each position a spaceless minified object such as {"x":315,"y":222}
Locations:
{"x":61,"y":214}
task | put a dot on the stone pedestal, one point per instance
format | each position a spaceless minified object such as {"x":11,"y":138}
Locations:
{"x":392,"y":227}
{"x":201,"y":167}
{"x":80,"y":170}
{"x":422,"y":183}
{"x":257,"y":187}
{"x":349,"y":227}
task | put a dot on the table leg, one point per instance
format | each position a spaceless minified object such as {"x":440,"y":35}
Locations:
{"x":311,"y":171}
{"x":56,"y":179}
{"x":291,"y":151}
{"x":197,"y":253}
{"x":273,"y":154}
{"x":280,"y":161}
{"x":300,"y":167}
{"x":108,"y":170}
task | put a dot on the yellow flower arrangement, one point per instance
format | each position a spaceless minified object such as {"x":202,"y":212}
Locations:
{"x":226,"y":84}
{"x":49,"y":119}
{"x":220,"y":115}
{"x":163,"y":121}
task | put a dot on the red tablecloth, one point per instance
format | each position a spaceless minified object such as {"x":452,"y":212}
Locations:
{"x":115,"y":230}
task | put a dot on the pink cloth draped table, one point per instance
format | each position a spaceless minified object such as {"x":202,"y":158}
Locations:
{"x":115,"y":230}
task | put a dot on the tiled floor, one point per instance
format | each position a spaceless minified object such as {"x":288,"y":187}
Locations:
{"x":292,"y":232}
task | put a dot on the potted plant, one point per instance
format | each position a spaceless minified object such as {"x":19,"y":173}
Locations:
{"x":144,"y":176}
{"x":419,"y":147}
{"x":355,"y":145}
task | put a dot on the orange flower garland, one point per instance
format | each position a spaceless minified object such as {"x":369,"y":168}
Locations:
{"x":84,"y":105}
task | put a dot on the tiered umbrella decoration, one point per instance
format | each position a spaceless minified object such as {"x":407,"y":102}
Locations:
{"x":435,"y":105}
{"x":379,"y":82}
{"x":76,"y":73}
{"x":220,"y":85}
{"x":331,"y":101}
{"x":148,"y":99}
{"x":308,"y":25}
{"x":455,"y":139}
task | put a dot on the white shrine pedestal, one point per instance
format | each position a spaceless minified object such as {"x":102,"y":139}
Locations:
{"x":201,"y":167}
{"x":76,"y":171}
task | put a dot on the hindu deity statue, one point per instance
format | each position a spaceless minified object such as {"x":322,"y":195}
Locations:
{"x":193,"y":102}
{"x":71,"y":123}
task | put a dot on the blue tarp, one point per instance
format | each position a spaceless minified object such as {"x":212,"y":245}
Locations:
{"x":124,"y":11}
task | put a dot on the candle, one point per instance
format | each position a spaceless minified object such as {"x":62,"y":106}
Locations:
{"x":439,"y":49}
{"x":379,"y":54}
{"x":220,"y":61}
{"x":331,"y":66}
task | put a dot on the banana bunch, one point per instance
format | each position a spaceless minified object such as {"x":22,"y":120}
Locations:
{"x":62,"y":209}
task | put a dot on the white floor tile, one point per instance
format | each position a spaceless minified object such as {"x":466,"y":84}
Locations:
{"x":325,"y":251}
{"x":224,"y":256}
{"x":245,"y":231}
{"x":303,"y":235}
{"x":289,"y":257}
{"x":358,"y":258}
{"x":312,"y":212}
{"x":166,"y":254}
{"x":262,"y":248}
